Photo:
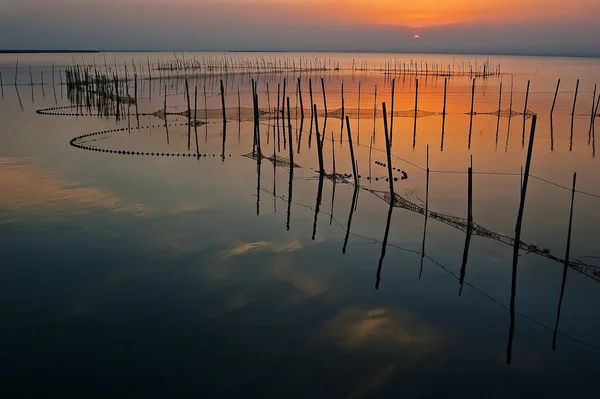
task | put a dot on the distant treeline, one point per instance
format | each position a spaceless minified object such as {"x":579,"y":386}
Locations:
{"x":46,"y":51}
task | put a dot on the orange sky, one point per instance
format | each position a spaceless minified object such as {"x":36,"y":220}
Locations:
{"x":426,"y":13}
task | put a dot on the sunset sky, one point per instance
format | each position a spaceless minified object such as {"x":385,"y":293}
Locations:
{"x":509,"y":26}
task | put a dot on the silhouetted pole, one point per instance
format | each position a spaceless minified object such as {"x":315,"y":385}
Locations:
{"x":389,"y":155}
{"x":555,"y":96}
{"x":592,"y":113}
{"x":575,"y":98}
{"x":324,"y":98}
{"x":352,"y":206}
{"x":223,"y":102}
{"x":445,"y":95}
{"x":517,"y":240}
{"x":392,"y":112}
{"x":469,"y":231}
{"x":291,"y":150}
{"x":354,"y":171}
{"x":319,"y":146}
{"x":196,"y":120}
{"x":416,"y":111}
{"x":566,"y":266}
{"x":426,"y":211}
{"x":301,"y":102}
{"x":526,"y":98}
{"x":472,"y":111}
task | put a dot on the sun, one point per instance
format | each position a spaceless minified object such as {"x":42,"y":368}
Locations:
{"x":416,"y":37}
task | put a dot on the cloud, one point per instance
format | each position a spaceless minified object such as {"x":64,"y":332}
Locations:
{"x":388,"y":328}
{"x":242,"y":248}
{"x":26,"y":188}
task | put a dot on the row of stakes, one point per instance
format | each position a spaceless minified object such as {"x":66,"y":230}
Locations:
{"x":49,"y":111}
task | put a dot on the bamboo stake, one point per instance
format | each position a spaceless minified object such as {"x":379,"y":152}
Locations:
{"x":416,"y":111}
{"x":319,"y":146}
{"x":223,"y":102}
{"x":354,"y":171}
{"x":472,"y":111}
{"x":358,"y":123}
{"x":555,"y":96}
{"x":566,"y":266}
{"x":575,"y":98}
{"x":301,"y":102}
{"x":469,"y":231}
{"x":592,"y":114}
{"x":196,"y":120}
{"x":392,"y":112}
{"x":324,"y":99}
{"x":291,"y":150}
{"x":445,"y":95}
{"x":389,"y":155}
{"x":517,"y":239}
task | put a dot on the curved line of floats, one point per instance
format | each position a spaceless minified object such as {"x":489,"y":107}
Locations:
{"x":75,"y":142}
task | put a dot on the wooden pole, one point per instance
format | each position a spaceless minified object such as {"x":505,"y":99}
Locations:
{"x":30,"y":77}
{"x":324,"y":98}
{"x":187,"y":93}
{"x":526,"y":98}
{"x":17,"y":72}
{"x":240,"y":105}
{"x":223,"y":102}
{"x":416,"y":112}
{"x":358,"y":123}
{"x":566,"y":266}
{"x":196,"y":120}
{"x":445,"y":95}
{"x":301,"y":102}
{"x":343,"y":114}
{"x":463,"y":268}
{"x":389,"y":155}
{"x":426,"y":211}
{"x":555,"y":96}
{"x":392,"y":111}
{"x":370,"y":152}
{"x":517,"y":240}
{"x":354,"y":171}
{"x":592,"y":113}
{"x":500,"y":100}
{"x":291,"y":149}
{"x":575,"y":98}
{"x":319,"y":146}
{"x":166,"y":124}
{"x":472,"y":111}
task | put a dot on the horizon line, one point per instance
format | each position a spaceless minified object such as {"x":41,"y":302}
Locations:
{"x":358,"y":51}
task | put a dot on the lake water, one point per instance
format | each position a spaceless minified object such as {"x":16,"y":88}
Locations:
{"x":144,"y":260}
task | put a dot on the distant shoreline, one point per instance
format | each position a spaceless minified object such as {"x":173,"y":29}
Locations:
{"x":48,"y":51}
{"x":456,"y":53}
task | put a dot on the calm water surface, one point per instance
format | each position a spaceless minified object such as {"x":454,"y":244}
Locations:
{"x":224,"y":277}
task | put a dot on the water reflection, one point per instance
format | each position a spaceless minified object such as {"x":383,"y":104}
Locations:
{"x":307,"y":281}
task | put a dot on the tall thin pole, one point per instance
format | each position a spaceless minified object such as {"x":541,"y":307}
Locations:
{"x":223,"y":102}
{"x":291,"y":149}
{"x":517,"y":240}
{"x":389,"y":155}
{"x":319,"y":146}
{"x":392,"y":111}
{"x":354,"y":171}
{"x":555,"y":96}
{"x":575,"y":98}
{"x":566,"y":266}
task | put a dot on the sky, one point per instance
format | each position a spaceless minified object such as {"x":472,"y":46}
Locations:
{"x":556,"y":27}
